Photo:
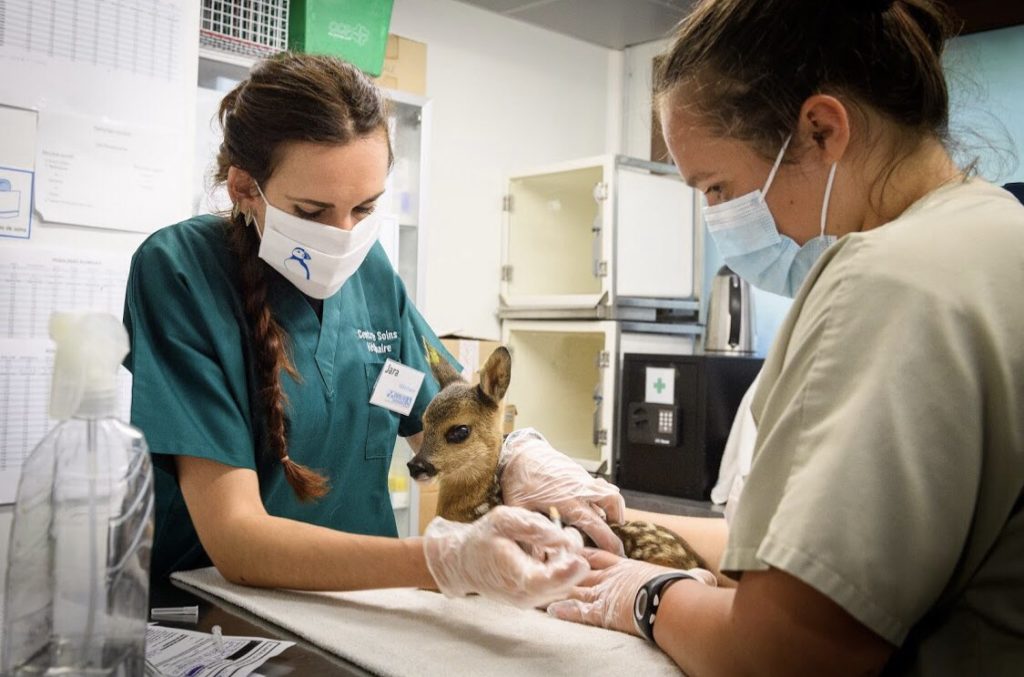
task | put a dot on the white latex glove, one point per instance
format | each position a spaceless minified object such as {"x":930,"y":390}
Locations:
{"x":606,"y":596}
{"x":486,"y":557}
{"x":537,"y":476}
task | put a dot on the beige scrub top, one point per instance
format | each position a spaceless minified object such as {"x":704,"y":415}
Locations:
{"x":889,"y":463}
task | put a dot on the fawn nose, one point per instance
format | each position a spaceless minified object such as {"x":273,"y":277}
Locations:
{"x":420,"y":469}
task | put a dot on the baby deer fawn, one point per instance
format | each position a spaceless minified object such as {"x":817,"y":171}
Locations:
{"x":461,"y":444}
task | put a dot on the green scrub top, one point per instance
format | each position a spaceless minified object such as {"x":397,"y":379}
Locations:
{"x":194,"y":382}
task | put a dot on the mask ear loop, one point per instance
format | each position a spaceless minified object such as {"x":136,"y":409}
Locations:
{"x":775,"y":167}
{"x":259,"y":230}
{"x":828,"y":196}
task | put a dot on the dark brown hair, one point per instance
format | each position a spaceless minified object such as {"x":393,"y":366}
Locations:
{"x":291,"y":97}
{"x":748,"y":66}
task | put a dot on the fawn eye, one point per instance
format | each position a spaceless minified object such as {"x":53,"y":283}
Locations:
{"x":456,"y":434}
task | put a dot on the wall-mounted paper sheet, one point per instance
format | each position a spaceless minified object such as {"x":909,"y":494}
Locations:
{"x":33,"y":284}
{"x":106,"y":174}
{"x":116,"y":67}
{"x":97,"y":57}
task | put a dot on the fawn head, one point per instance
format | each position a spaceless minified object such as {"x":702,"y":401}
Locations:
{"x":461,"y":426}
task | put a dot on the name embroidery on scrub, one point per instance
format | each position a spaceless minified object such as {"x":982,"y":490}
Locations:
{"x":378,"y":342}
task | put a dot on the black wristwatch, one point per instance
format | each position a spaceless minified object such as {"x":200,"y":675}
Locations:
{"x":648,"y":599}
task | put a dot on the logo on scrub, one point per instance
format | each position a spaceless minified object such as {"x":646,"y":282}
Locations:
{"x":298,"y":260}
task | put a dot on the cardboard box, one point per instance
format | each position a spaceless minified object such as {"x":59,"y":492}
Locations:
{"x":428,"y":504}
{"x":659,"y":151}
{"x":405,"y":66}
{"x":470,"y":351}
{"x":508,"y":419}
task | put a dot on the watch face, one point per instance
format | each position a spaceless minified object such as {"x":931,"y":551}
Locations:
{"x":640,"y":605}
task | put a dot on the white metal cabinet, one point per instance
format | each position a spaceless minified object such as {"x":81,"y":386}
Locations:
{"x":608,"y":237}
{"x":565,"y":379}
{"x":405,"y":200}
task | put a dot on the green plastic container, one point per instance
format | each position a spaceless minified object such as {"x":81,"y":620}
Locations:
{"x":355,"y":30}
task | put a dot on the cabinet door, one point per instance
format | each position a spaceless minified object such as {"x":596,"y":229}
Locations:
{"x":563,"y":384}
{"x":654,"y":233}
{"x":557,"y":234}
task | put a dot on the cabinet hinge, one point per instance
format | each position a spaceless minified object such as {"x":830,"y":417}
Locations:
{"x":506,"y":273}
{"x":602,"y":269}
{"x":604,"y":359}
{"x":602,"y":436}
{"x":506,"y":203}
{"x":601,"y":191}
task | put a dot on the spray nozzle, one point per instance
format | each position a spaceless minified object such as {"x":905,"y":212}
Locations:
{"x":90,"y":348}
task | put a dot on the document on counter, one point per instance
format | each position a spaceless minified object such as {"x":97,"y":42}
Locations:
{"x":170,"y":651}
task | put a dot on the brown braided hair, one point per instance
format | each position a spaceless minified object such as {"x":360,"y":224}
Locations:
{"x":291,"y":97}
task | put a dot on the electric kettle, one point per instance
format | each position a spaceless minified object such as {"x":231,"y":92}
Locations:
{"x":730,"y":315}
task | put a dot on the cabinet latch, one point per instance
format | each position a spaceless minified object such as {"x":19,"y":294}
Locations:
{"x":506,"y":203}
{"x":602,"y":437}
{"x":604,"y":360}
{"x":601,"y":191}
{"x":602,"y":269}
{"x":506,"y":273}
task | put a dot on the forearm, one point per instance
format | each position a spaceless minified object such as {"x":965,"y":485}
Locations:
{"x":773,"y":624}
{"x":267,"y":551}
{"x":694,"y":628}
{"x":707,"y":535}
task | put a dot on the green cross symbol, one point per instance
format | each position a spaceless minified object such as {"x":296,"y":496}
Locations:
{"x":659,"y":385}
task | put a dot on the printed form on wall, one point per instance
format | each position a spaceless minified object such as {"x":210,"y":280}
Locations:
{"x":33,"y":284}
{"x":115,"y":70}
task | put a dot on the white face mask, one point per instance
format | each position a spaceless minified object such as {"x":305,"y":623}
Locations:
{"x":317,"y":259}
{"x":747,"y":237}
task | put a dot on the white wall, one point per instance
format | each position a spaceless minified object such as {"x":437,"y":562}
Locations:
{"x":986,"y":94}
{"x":506,"y":96}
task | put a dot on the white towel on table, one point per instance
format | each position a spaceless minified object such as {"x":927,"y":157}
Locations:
{"x":403,"y":631}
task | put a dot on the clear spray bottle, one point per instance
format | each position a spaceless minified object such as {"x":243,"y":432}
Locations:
{"x":78,"y":564}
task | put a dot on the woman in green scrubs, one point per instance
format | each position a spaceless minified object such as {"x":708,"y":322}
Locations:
{"x":256,"y":344}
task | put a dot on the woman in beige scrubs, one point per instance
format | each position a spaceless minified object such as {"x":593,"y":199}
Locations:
{"x":881,"y":526}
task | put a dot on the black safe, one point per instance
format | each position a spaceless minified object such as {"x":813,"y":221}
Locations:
{"x":675,"y":415}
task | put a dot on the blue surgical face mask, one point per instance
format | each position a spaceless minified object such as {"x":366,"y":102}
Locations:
{"x":745,"y":233}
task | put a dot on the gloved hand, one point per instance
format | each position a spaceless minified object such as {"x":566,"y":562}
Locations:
{"x":606,"y":595}
{"x":536,"y":476}
{"x":485,"y":557}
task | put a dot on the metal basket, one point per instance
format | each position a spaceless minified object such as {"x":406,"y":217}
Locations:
{"x":251,"y":27}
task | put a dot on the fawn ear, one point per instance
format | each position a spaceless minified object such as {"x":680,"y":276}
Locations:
{"x":496,"y":374}
{"x":443,"y":371}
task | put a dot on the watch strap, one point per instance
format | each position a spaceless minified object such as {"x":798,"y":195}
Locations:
{"x":648,"y":599}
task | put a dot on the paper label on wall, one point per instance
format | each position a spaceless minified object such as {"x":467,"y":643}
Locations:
{"x":397,"y":387}
{"x":15,"y":202}
{"x":17,"y":162}
{"x":661,"y":385}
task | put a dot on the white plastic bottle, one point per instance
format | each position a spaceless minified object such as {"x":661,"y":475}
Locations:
{"x":78,"y":565}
